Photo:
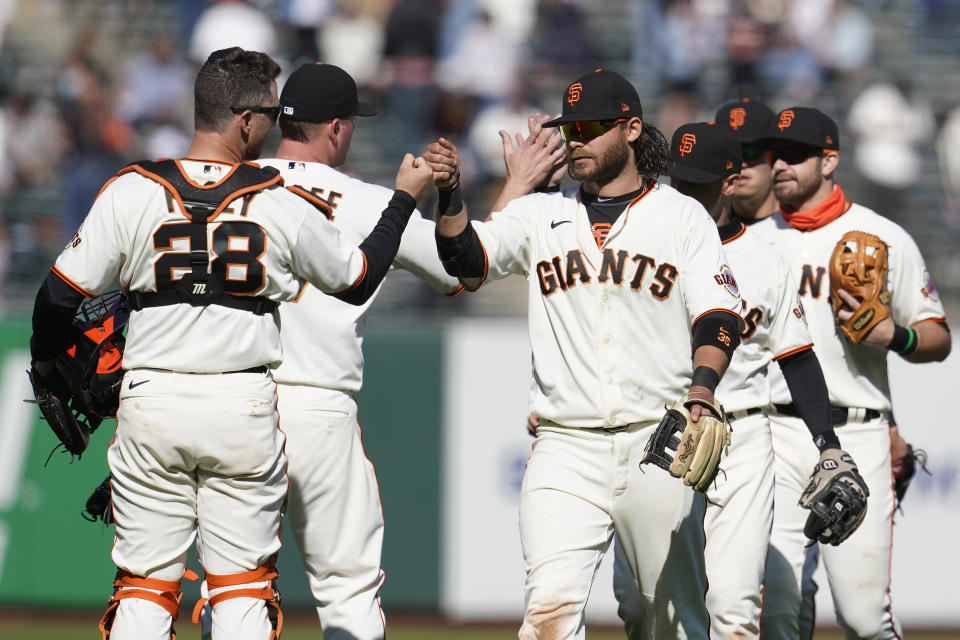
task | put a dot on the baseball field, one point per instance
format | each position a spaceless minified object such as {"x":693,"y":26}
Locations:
{"x":302,"y":627}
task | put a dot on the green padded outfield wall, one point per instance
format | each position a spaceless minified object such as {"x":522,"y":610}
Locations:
{"x":51,"y":557}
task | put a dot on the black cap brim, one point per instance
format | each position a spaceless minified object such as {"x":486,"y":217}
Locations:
{"x":366,"y":109}
{"x":693,"y":174}
{"x":772,"y":139}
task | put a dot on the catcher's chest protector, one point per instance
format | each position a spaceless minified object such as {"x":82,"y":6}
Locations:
{"x":200,"y":204}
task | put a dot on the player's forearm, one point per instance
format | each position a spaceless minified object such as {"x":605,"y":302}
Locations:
{"x":933,"y":342}
{"x":53,"y":311}
{"x":712,"y":357}
{"x":512,"y":189}
{"x":808,"y":389}
{"x":380,"y":247}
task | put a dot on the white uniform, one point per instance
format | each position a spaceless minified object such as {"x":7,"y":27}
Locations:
{"x":610,"y":332}
{"x":739,"y":511}
{"x":856,"y":376}
{"x":334,"y":502}
{"x":189,"y":444}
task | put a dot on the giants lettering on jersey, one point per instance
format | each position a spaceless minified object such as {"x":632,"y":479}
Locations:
{"x":811,"y":282}
{"x":561,"y":273}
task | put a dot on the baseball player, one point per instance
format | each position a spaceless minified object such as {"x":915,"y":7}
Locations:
{"x":206,"y":247}
{"x":814,"y":215}
{"x":333,"y":507}
{"x":626,"y":281}
{"x":754,"y":203}
{"x":739,"y":514}
{"x":749,"y":121}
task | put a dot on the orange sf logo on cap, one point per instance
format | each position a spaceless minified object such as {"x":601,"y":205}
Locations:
{"x":687,"y":141}
{"x":624,"y":106}
{"x":729,"y":165}
{"x":738,"y":116}
{"x":786,"y":118}
{"x":573,"y":93}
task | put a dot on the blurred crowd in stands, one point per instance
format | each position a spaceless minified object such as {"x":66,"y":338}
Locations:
{"x":87,"y":86}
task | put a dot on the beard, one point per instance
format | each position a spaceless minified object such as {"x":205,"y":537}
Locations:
{"x":794,"y":194}
{"x":606,"y":166}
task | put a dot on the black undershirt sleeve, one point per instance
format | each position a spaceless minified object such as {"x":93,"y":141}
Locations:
{"x":462,"y":255}
{"x":719,"y":329}
{"x":380,"y":247}
{"x":53,"y":311}
{"x":809,"y":392}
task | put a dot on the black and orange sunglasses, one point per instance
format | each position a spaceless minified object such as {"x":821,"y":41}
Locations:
{"x":587,"y":130}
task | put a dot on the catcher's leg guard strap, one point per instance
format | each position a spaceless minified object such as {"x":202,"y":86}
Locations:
{"x":265,"y":572}
{"x":126,"y":585}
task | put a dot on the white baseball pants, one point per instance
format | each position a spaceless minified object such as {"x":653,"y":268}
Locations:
{"x":858,"y":569}
{"x":196,"y":455}
{"x":580,"y":486}
{"x":334,"y":510}
{"x":739,"y":516}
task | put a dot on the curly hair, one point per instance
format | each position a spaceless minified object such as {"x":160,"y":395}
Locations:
{"x":652,"y":153}
{"x":229,"y":78}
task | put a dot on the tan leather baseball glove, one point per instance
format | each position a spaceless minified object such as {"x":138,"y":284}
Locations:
{"x":859,"y":267}
{"x":696,"y":453}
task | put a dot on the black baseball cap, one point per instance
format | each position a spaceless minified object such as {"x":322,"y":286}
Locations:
{"x":806,"y":126}
{"x":704,"y":152}
{"x":320,"y":92}
{"x":601,"y":95}
{"x":748,"y":119}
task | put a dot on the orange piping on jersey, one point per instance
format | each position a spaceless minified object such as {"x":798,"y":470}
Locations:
{"x":73,"y":285}
{"x":939,"y":319}
{"x":314,"y":200}
{"x":793,"y":351}
{"x":356,"y":283}
{"x":733,"y":313}
{"x":456,"y":291}
{"x":743,"y":230}
{"x":303,"y":290}
{"x":105,"y":185}
{"x":223,"y":205}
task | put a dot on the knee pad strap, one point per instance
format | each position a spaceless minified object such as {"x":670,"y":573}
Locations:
{"x":126,"y":585}
{"x":269,"y":593}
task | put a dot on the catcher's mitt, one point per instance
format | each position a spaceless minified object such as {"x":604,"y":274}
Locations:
{"x":836,"y":498}
{"x":697,"y":450}
{"x":81,"y":386}
{"x":905,"y":468}
{"x":53,"y":397}
{"x":858,"y":265}
{"x":100,"y":503}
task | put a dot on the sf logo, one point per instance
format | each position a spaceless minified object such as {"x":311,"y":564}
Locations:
{"x":738,"y":116}
{"x":687,"y":141}
{"x":573,"y":93}
{"x":786,"y":118}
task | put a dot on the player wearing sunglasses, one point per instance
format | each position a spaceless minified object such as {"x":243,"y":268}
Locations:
{"x":626,"y":281}
{"x":750,"y":120}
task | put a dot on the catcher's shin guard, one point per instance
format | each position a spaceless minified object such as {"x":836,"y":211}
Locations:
{"x":270,"y":593}
{"x":128,"y":585}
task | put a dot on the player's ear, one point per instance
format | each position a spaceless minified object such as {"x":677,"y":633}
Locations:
{"x":336,"y":126}
{"x":730,"y":184}
{"x":634,"y":128}
{"x":829,"y":162}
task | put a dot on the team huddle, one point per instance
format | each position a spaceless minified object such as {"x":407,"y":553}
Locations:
{"x":642,"y":296}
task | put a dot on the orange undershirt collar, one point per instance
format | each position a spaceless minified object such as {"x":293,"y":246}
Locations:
{"x":824,"y":213}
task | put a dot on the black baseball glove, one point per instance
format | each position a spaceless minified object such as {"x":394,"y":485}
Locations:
{"x":100,"y":503}
{"x":905,"y":468}
{"x":53,"y":397}
{"x":836,"y":498}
